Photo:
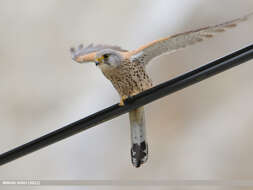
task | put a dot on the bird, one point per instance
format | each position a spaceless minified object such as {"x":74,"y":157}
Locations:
{"x":127,"y":72}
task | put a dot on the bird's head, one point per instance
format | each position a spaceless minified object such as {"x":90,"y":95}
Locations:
{"x":108,"y":58}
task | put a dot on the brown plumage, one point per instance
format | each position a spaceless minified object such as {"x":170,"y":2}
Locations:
{"x":129,"y":78}
{"x":126,"y":70}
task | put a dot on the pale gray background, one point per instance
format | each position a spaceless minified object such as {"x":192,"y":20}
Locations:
{"x":202,"y":132}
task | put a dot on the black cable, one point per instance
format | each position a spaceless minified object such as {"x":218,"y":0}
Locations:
{"x":131,"y":103}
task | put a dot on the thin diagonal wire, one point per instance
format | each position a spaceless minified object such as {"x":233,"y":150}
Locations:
{"x":131,"y":103}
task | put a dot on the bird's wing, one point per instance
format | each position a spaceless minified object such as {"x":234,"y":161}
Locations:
{"x":172,"y":43}
{"x":87,"y":54}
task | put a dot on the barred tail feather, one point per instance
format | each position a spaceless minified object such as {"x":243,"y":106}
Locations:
{"x":139,"y":146}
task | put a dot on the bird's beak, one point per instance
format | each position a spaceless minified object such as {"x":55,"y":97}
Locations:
{"x":99,"y":60}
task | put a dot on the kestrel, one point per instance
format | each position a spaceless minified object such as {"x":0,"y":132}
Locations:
{"x":127,"y":73}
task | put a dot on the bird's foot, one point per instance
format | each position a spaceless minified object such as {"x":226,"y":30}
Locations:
{"x":122,"y":100}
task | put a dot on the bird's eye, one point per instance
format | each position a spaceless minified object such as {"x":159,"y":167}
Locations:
{"x":106,"y":56}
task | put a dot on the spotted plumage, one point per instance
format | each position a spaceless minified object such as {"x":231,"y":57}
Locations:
{"x":126,"y":70}
{"x":129,"y":78}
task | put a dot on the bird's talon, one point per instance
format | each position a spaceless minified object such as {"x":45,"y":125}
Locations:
{"x":121,"y":103}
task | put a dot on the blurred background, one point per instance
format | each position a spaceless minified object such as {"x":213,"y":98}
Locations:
{"x":201,"y":132}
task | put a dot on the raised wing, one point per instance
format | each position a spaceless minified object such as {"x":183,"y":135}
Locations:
{"x":87,"y":54}
{"x":172,"y":43}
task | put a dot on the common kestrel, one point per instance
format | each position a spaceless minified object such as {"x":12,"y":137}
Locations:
{"x":126,"y":70}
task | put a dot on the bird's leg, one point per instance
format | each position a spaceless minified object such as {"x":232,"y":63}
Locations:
{"x":122,"y":100}
{"x":125,"y":97}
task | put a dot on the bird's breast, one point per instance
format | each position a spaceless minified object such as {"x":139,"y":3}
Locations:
{"x":129,"y":78}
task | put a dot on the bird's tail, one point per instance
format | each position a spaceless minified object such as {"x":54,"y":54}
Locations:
{"x":139,"y":146}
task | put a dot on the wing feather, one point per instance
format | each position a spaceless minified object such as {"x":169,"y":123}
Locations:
{"x":87,"y":54}
{"x":172,"y":43}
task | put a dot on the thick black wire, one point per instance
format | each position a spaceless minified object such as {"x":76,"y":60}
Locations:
{"x":131,"y":103}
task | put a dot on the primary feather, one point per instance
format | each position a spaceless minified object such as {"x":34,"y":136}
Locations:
{"x":172,"y":43}
{"x":88,"y":53}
